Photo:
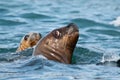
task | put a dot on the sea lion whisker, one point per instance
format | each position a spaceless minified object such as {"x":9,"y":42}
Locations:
{"x":23,"y":46}
{"x":54,"y":51}
{"x":51,"y":55}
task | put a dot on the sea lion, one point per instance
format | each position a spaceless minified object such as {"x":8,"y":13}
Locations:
{"x":29,"y":40}
{"x":59,"y":44}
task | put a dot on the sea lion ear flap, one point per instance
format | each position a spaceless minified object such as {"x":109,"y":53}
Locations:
{"x":57,"y":34}
{"x":26,"y":37}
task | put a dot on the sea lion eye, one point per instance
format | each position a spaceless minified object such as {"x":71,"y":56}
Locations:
{"x":26,"y":37}
{"x":57,"y":34}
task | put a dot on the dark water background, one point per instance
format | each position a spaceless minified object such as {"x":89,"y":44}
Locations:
{"x":98,"y":41}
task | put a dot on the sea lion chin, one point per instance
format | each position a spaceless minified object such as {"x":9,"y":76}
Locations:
{"x":59,"y":44}
{"x":29,"y":40}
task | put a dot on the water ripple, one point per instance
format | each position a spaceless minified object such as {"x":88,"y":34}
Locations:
{"x":18,"y":17}
{"x":88,"y":23}
{"x":5,"y":22}
{"x":3,"y":10}
{"x":34,"y":16}
{"x":105,"y":32}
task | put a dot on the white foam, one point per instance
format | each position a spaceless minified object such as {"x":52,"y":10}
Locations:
{"x":110,"y":57}
{"x":116,"y":22}
{"x":40,"y":56}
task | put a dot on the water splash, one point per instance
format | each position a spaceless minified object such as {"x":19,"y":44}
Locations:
{"x":116,"y":22}
{"x":108,"y":55}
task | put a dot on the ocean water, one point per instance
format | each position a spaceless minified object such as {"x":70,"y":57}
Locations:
{"x":99,"y":41}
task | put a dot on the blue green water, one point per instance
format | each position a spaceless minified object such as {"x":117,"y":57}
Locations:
{"x":98,"y":41}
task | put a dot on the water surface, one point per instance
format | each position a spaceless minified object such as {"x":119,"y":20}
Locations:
{"x":98,"y":41}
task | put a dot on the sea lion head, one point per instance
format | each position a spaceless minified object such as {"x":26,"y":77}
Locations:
{"x":29,"y":40}
{"x":59,"y":44}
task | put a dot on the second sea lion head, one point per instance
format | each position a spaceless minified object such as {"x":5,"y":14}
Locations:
{"x":29,"y":40}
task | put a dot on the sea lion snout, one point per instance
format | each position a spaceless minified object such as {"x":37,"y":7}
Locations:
{"x":72,"y":28}
{"x":72,"y":25}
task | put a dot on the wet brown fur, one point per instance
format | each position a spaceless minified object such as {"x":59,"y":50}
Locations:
{"x":59,"y":44}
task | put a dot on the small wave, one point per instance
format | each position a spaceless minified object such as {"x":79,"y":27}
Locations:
{"x":9,"y":54}
{"x":86,"y":22}
{"x":7,"y":57}
{"x":34,"y":16}
{"x":6,"y":50}
{"x":109,"y":58}
{"x":105,"y":32}
{"x":5,"y":22}
{"x":2,"y":10}
{"x":85,"y":56}
{"x":33,"y":63}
